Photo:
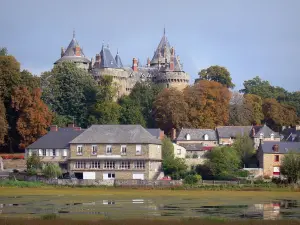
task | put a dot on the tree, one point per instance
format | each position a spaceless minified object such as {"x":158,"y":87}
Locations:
{"x":70,"y":91}
{"x":208,"y":104}
{"x":3,"y":122}
{"x":52,"y":170}
{"x":240,"y":113}
{"x":61,"y":121}
{"x":143,"y":95}
{"x":245,"y":147}
{"x":290,"y":167}
{"x":3,"y":51}
{"x":130,"y":113}
{"x":105,"y":113}
{"x":170,"y":110}
{"x":255,"y":104}
{"x":223,"y":162}
{"x":167,"y":148}
{"x":34,"y":117}
{"x":33,"y":164}
{"x":29,"y":81}
{"x":218,"y":74}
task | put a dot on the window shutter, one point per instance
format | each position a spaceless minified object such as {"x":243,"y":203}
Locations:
{"x":40,"y":152}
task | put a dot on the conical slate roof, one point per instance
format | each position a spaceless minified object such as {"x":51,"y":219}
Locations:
{"x":70,"y":53}
{"x":163,"y":49}
{"x":107,"y":60}
{"x":118,"y":61}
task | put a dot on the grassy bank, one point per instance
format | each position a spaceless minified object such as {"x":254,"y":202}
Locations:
{"x":207,"y":221}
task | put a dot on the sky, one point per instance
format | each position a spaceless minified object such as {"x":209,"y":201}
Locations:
{"x":250,"y":38}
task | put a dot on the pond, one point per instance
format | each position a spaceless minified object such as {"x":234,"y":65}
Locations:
{"x":117,"y":207}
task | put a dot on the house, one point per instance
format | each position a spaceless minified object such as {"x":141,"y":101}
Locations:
{"x":156,"y":132}
{"x":205,"y":137}
{"x":227,"y":134}
{"x":115,"y":152}
{"x":291,"y":134}
{"x":271,"y":153}
{"x":54,"y":146}
{"x":179,"y":151}
{"x":264,"y":133}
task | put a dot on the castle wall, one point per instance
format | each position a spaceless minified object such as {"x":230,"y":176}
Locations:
{"x":178,"y":80}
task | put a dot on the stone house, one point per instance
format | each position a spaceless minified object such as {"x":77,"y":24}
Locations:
{"x":271,"y":153}
{"x":54,"y":146}
{"x":115,"y":152}
{"x":227,"y":134}
{"x":263,"y":133}
{"x":179,"y":151}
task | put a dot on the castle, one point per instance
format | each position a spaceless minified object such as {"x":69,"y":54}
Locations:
{"x":164,"y":68}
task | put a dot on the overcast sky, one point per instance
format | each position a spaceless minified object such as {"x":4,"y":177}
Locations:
{"x":250,"y":38}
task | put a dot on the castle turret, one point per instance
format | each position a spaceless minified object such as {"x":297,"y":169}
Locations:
{"x":118,"y":60}
{"x":134,"y":64}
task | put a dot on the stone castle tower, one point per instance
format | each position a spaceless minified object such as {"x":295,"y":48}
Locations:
{"x":164,"y":68}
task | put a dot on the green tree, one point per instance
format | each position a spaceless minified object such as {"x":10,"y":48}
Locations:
{"x":167,"y":148}
{"x":223,"y":162}
{"x":105,"y":113}
{"x":70,"y":91}
{"x":130,"y":113}
{"x":3,"y":51}
{"x":217,"y":73}
{"x":143,"y":95}
{"x":52,"y":170}
{"x":33,"y":164}
{"x":61,"y":121}
{"x":290,"y":167}
{"x":254,"y":102}
{"x":245,"y":147}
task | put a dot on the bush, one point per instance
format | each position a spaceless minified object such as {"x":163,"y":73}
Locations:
{"x":195,"y":156}
{"x":32,"y":172}
{"x":52,"y":170}
{"x":192,"y":179}
{"x":242,"y":173}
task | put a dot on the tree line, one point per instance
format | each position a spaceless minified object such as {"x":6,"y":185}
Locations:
{"x":67,"y":94}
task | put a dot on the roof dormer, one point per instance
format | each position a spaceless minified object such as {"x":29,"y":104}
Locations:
{"x":205,"y":136}
{"x":188,"y":137}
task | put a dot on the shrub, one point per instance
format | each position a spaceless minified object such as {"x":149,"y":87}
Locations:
{"x":52,"y":170}
{"x":195,"y":156}
{"x":242,"y":173}
{"x":192,"y":179}
{"x":34,"y":162}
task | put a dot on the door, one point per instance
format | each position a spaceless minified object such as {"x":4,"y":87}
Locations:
{"x":89,"y":175}
{"x":108,"y":176}
{"x":138,"y":176}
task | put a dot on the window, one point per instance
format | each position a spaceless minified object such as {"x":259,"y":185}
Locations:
{"x":123,"y":149}
{"x":79,"y":149}
{"x":276,"y":158}
{"x":94,"y":149}
{"x":139,"y":165}
{"x":125,"y":165}
{"x":95,"y":165}
{"x":80,"y":165}
{"x":178,"y":151}
{"x":261,"y":136}
{"x":44,"y":152}
{"x":205,"y":137}
{"x":109,"y":165}
{"x":188,"y":137}
{"x":108,"y":149}
{"x":111,"y":175}
{"x":138,"y":150}
{"x":53,"y":152}
{"x":272,"y":136}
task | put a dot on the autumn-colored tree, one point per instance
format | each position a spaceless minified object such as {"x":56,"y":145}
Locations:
{"x":277,"y":114}
{"x":34,"y":116}
{"x":217,"y":73}
{"x":255,"y":103}
{"x":240,"y":113}
{"x":3,"y":122}
{"x":170,"y":110}
{"x":208,"y":103}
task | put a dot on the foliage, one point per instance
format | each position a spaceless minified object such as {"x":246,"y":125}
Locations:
{"x":33,"y":162}
{"x":223,"y":162}
{"x":107,"y":89}
{"x":21,"y":184}
{"x":51,"y":216}
{"x":3,"y":122}
{"x":290,"y":167}
{"x":244,"y":146}
{"x":3,"y":51}
{"x":30,"y":81}
{"x":240,"y":113}
{"x":170,"y":110}
{"x":167,"y":148}
{"x":52,"y":170}
{"x":130,"y":113}
{"x":255,"y":103}
{"x":70,"y":91}
{"x":34,"y":115}
{"x":105,"y":113}
{"x":192,"y":179}
{"x":207,"y":104}
{"x":143,"y":95}
{"x":277,"y":114}
{"x":218,"y":74}
{"x":173,"y":166}
{"x":61,"y":121}
{"x":242,"y":173}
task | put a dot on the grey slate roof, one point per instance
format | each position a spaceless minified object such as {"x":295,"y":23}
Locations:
{"x":154,"y":132}
{"x":118,"y":61}
{"x":197,"y":134}
{"x":233,"y":131}
{"x":284,"y":147}
{"x":116,"y":134}
{"x":69,"y":54}
{"x":56,"y":139}
{"x":192,"y":147}
{"x":291,"y":134}
{"x":107,"y":60}
{"x":163,"y":46}
{"x":265,"y":130}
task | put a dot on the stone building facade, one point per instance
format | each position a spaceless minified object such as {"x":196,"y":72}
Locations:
{"x":164,"y":69}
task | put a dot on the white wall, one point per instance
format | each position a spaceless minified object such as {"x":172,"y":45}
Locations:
{"x":179,"y":149}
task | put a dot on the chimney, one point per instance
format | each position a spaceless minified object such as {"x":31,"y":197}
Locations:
{"x":62,"y":52}
{"x":298,"y":127}
{"x":148,"y":62}
{"x":173,"y":134}
{"x":53,"y":128}
{"x":134,"y":64}
{"x":161,"y":134}
{"x":275,"y":148}
{"x":77,"y":50}
{"x":172,"y":59}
